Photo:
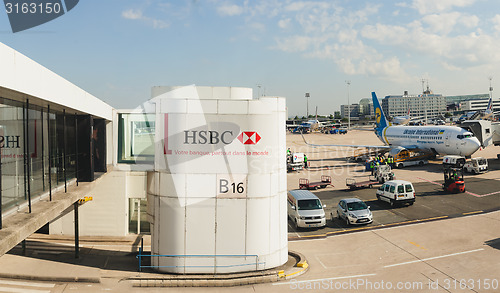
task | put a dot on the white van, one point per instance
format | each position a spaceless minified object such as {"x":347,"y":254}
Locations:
{"x":305,"y":209}
{"x":397,"y":192}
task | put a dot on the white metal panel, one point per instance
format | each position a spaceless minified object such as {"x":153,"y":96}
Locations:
{"x":241,"y":93}
{"x":200,"y":235}
{"x":233,"y":107}
{"x":258,"y":237}
{"x":172,"y":185}
{"x":221,"y":93}
{"x":171,"y":233}
{"x":259,"y":185}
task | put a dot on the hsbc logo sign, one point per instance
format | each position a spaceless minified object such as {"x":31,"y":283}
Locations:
{"x":219,"y":137}
{"x":249,"y":137}
{"x":213,"y":135}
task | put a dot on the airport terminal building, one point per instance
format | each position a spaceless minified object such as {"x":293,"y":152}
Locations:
{"x":190,"y":162}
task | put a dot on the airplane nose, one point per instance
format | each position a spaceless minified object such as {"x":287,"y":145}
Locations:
{"x":472,"y":145}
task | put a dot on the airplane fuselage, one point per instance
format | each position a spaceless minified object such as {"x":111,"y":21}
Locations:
{"x":444,"y":140}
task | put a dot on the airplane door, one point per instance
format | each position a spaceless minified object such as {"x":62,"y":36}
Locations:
{"x":447,"y":140}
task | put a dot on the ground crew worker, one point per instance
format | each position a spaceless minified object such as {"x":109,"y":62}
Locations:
{"x":305,"y":161}
{"x":288,"y":152}
{"x":372,"y":166}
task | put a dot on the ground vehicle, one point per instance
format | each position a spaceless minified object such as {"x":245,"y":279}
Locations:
{"x":404,"y":157}
{"x":383,"y":173}
{"x":453,"y":179}
{"x":397,"y":192}
{"x":295,"y":162}
{"x":354,"y":211}
{"x":453,"y":161}
{"x":352,"y":183}
{"x":305,"y":184}
{"x":305,"y":209}
{"x":411,"y":163}
{"x":476,"y":165}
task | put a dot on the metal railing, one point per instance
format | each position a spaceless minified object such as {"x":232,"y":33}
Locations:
{"x":140,"y":256}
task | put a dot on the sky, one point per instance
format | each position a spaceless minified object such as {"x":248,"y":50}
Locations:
{"x":118,"y":49}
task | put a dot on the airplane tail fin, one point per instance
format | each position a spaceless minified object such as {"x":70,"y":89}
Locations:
{"x":380,"y":119}
{"x":490,"y":104}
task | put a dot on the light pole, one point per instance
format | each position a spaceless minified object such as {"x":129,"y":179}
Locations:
{"x":348,"y":105}
{"x":307,"y":96}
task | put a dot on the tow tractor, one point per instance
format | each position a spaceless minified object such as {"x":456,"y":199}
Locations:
{"x":454,"y":179}
{"x":382,"y":173}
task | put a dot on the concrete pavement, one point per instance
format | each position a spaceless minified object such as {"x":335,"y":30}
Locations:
{"x":52,"y":258}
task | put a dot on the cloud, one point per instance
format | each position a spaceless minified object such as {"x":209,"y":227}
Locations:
{"x":386,"y":40}
{"x":496,"y":22}
{"x":431,"y":6}
{"x":132,"y":14}
{"x":445,"y":23}
{"x":136,"y":14}
{"x":284,"y":23}
{"x":229,"y":10}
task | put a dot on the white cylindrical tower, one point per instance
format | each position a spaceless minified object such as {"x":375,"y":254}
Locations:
{"x":217,"y":197}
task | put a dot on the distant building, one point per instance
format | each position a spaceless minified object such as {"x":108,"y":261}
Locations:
{"x":354,"y":110}
{"x":472,"y":102}
{"x":425,"y":105}
{"x":366,"y":107}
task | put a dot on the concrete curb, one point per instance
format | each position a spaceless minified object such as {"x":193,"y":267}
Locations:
{"x":226,"y":280}
{"x":51,"y":278}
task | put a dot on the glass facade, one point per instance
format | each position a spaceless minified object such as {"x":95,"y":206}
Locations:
{"x":38,"y":151}
{"x":136,"y":138}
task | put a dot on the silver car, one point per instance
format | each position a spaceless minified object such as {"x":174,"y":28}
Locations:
{"x":354,"y":211}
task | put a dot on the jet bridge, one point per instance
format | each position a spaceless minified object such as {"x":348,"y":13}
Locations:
{"x":484,"y":131}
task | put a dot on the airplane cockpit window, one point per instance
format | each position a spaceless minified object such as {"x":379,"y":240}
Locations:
{"x":465,"y":135}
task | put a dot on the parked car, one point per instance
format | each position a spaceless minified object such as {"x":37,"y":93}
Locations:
{"x":354,"y":211}
{"x":396,"y":192}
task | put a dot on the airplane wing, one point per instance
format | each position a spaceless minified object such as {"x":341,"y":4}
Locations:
{"x":350,"y":146}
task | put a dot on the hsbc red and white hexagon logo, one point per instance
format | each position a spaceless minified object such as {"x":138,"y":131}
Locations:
{"x":249,"y":137}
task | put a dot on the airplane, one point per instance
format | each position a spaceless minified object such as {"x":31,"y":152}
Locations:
{"x":401,"y":120}
{"x":442,"y":140}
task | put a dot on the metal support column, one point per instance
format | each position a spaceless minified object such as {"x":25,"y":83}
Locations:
{"x":50,"y":152}
{"x":77,"y":232}
{"x":64,"y":150}
{"x":23,"y":247}
{"x":28,"y":155}
{"x":0,"y":189}
{"x":43,"y":149}
{"x":76,"y":146}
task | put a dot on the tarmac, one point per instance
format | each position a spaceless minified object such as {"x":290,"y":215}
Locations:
{"x":52,"y":258}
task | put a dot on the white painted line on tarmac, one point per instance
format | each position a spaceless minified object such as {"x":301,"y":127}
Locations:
{"x":304,"y":240}
{"x":31,"y":284}
{"x":324,"y":279}
{"x":431,"y":258}
{"x":21,"y":290}
{"x":318,"y":259}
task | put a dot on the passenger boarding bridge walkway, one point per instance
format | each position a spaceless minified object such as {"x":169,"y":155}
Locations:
{"x":20,"y":225}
